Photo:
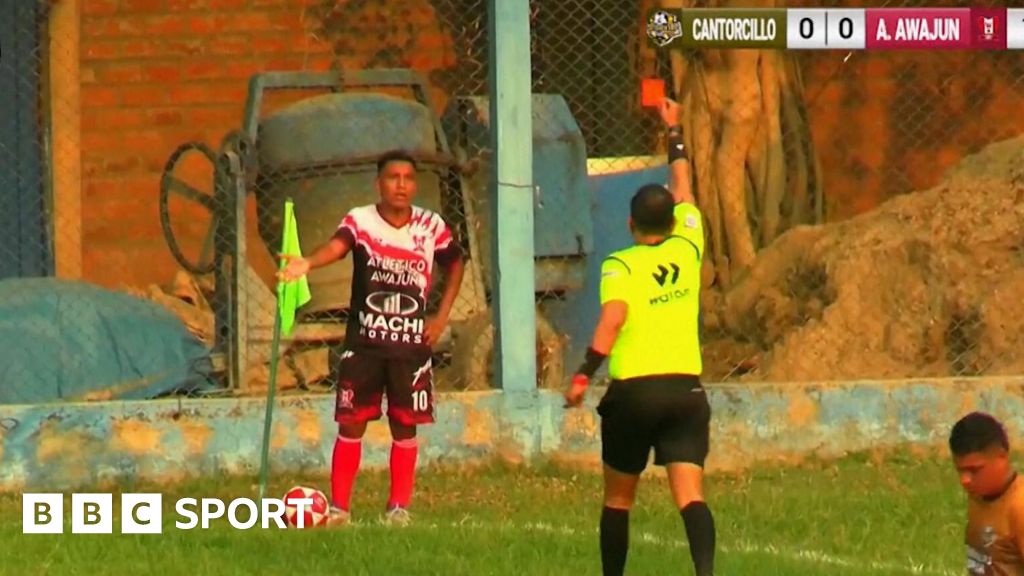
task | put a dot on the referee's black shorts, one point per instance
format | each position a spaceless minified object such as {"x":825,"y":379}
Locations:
{"x":669,"y":413}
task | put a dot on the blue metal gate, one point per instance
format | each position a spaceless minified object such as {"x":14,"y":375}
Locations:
{"x":25,"y":247}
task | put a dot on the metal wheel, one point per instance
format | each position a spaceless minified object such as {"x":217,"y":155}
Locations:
{"x":171,"y":184}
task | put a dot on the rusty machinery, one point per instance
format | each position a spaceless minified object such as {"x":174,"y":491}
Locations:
{"x":321,"y":151}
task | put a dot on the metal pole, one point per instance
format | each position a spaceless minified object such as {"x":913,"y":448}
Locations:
{"x":512,"y":186}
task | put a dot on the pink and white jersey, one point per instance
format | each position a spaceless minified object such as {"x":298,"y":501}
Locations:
{"x":392,"y":274}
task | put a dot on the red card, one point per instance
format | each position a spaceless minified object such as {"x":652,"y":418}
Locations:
{"x":652,"y":92}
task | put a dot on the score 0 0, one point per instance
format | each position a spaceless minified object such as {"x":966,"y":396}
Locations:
{"x":818,"y":28}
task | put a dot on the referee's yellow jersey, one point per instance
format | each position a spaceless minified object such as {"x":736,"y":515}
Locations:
{"x":660,"y":284}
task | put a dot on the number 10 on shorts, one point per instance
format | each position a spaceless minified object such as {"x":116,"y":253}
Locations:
{"x":817,"y":29}
{"x":420,"y":401}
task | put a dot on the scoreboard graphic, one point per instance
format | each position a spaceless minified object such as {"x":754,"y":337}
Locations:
{"x":838,"y":28}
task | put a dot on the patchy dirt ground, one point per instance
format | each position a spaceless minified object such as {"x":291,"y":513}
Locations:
{"x":929,"y":284}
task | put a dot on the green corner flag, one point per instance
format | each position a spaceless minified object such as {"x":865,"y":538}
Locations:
{"x":291,"y":295}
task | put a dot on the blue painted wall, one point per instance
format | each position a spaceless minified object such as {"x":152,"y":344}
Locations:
{"x":62,"y":446}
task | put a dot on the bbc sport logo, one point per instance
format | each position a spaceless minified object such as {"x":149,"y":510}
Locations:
{"x":94,"y":513}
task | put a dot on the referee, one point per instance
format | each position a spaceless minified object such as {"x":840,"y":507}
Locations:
{"x":648,"y":332}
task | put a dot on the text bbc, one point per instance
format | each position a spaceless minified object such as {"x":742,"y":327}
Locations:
{"x":93,"y":513}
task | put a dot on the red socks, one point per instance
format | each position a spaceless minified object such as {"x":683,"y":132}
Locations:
{"x":344,"y":466}
{"x":403,"y":472}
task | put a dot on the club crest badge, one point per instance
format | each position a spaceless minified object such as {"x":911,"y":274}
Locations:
{"x":663,"y":27}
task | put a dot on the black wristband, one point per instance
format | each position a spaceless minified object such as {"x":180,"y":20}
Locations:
{"x":591,"y":362}
{"x":676,"y":148}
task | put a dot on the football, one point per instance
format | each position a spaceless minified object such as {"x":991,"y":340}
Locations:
{"x":313,"y":515}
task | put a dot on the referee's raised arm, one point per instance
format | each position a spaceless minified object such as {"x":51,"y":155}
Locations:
{"x":678,"y":160}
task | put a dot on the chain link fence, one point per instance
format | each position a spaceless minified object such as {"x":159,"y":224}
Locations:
{"x":909,"y":160}
{"x":913,"y":163}
{"x":143,"y":160}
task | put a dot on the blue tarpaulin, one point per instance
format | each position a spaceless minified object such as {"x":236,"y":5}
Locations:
{"x":62,"y":340}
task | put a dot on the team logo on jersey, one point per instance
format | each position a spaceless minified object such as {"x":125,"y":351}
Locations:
{"x":419,"y":242}
{"x":662,"y":275}
{"x":690,"y":221}
{"x":663,"y":27}
{"x":666,"y":277}
{"x":393,"y":303}
{"x":345,"y":396}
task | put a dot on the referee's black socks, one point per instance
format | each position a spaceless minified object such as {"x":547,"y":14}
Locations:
{"x":614,"y":540}
{"x":700,"y":531}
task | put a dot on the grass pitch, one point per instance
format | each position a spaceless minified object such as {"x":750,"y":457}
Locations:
{"x":858,"y":517}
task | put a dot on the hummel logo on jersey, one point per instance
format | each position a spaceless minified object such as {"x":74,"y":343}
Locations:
{"x":662,"y":274}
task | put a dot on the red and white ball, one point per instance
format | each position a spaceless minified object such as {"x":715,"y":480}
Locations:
{"x":314,"y":514}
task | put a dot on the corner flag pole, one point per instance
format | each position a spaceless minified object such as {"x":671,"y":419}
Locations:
{"x":290,"y":296}
{"x":269,"y":417}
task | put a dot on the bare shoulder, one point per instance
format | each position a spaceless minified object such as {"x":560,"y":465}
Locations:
{"x":1015,"y":507}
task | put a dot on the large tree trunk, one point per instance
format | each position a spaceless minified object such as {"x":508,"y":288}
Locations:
{"x":755,"y":171}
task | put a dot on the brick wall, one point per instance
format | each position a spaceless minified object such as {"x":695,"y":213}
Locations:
{"x":158,"y":73}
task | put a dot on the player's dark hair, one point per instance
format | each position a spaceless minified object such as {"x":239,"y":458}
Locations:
{"x":652,"y":209}
{"x":977,"y":432}
{"x":394,"y":156}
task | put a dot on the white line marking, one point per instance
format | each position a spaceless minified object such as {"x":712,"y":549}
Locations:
{"x":741,"y":547}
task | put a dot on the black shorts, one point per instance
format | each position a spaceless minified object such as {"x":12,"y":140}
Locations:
{"x":668,"y":413}
{"x":365,"y":378}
